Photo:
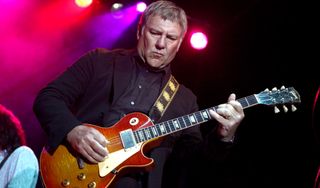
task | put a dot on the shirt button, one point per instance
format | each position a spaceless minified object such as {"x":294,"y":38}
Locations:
{"x":132,"y":103}
{"x":139,"y":86}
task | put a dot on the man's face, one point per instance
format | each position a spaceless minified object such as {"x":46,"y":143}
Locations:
{"x":159,"y":41}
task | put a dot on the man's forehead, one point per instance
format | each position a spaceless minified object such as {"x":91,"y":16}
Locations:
{"x":157,"y":22}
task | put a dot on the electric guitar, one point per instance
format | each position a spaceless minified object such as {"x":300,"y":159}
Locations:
{"x":128,"y":138}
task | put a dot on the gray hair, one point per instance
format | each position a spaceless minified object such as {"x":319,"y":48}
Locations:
{"x":167,"y":10}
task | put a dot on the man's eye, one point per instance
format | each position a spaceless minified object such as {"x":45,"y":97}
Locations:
{"x":154,"y":33}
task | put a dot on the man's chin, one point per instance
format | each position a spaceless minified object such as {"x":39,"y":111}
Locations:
{"x":155,"y":65}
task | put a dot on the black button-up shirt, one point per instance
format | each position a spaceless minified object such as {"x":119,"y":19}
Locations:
{"x":140,"y":95}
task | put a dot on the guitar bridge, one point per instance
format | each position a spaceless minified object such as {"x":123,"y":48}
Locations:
{"x":127,"y":138}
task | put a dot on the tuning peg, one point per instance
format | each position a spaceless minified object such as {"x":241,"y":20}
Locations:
{"x":293,"y":108}
{"x":282,"y":88}
{"x":276,"y":110}
{"x":285,"y":109}
{"x":274,"y":89}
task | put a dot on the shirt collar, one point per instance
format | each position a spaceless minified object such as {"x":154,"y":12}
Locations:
{"x":138,"y":59}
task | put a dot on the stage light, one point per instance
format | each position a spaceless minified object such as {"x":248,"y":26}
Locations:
{"x":83,"y":3}
{"x":116,"y":6}
{"x":141,"y":6}
{"x":116,"y":10}
{"x":198,"y":40}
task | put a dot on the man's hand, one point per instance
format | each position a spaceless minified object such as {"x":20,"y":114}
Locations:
{"x":229,"y":116}
{"x":89,"y":142}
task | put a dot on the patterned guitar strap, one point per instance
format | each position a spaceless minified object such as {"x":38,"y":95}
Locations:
{"x":164,"y":99}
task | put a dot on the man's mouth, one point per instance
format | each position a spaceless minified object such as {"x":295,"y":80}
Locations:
{"x":156,"y":55}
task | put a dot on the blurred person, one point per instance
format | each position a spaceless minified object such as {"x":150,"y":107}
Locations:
{"x":18,"y":163}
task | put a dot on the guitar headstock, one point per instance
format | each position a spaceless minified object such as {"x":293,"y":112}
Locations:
{"x":282,"y":96}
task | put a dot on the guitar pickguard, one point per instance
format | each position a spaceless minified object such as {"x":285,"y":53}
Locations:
{"x":116,"y":158}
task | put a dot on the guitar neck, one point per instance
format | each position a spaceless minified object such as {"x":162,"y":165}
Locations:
{"x":184,"y":122}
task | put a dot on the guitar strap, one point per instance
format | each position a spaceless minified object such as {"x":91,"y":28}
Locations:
{"x":164,"y":99}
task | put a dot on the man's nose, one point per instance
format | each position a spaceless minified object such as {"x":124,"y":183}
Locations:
{"x":161,"y":42}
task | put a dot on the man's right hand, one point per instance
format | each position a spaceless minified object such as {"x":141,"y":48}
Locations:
{"x":89,"y":142}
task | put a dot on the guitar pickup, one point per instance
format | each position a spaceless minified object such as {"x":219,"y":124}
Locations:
{"x":127,"y":139}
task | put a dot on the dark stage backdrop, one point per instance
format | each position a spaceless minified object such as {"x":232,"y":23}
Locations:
{"x":253,"y":45}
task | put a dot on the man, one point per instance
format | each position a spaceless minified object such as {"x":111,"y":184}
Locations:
{"x":103,"y":86}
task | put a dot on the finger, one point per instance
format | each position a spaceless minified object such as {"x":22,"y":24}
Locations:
{"x":85,"y":154}
{"x":225,"y":111}
{"x":236,"y":105}
{"x":96,"y":151}
{"x":99,"y":149}
{"x":101,"y":146}
{"x":226,"y":105}
{"x":101,"y":139}
{"x":217,"y":116}
{"x":232,"y":97}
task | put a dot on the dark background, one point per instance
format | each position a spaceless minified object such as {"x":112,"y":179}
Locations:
{"x":253,"y":45}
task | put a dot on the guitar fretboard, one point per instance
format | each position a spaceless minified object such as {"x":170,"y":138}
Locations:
{"x":183,"y":122}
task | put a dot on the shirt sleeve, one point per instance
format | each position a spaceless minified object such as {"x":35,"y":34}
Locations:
{"x":23,"y":168}
{"x":54,"y":104}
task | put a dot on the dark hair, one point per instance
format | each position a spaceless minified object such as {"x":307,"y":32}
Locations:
{"x":167,"y":10}
{"x":11,"y":132}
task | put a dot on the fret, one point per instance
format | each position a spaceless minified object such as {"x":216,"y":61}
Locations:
{"x":192,"y":119}
{"x":162,"y":128}
{"x":136,"y":136}
{"x":244,"y":102}
{"x":144,"y":134}
{"x":172,"y":128}
{"x":154,"y":131}
{"x":198,"y":117}
{"x":141,"y":136}
{"x":214,"y":108}
{"x":168,"y":130}
{"x":151,"y":132}
{"x":187,"y":120}
{"x":205,"y":114}
{"x":252,"y":100}
{"x":158,"y":129}
{"x":182,"y":122}
{"x":176,"y":124}
{"x":147,"y":132}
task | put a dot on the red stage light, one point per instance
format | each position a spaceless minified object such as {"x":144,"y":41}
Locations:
{"x":198,"y":40}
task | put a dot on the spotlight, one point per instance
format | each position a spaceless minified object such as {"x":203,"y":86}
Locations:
{"x":198,"y":40}
{"x":141,"y":6}
{"x":116,"y":10}
{"x":83,"y":3}
{"x":116,"y":6}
